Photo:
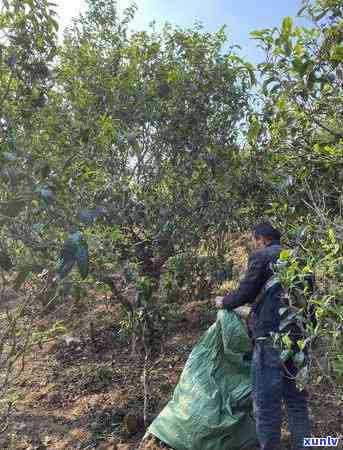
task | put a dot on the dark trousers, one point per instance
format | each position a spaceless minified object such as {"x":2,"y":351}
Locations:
{"x":271,"y":386}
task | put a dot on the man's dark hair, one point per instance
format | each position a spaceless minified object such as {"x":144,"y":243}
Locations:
{"x":267,"y":231}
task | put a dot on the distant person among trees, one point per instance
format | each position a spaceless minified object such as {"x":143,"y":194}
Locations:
{"x":273,"y":381}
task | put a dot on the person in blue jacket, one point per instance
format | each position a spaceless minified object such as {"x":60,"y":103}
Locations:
{"x":273,"y":381}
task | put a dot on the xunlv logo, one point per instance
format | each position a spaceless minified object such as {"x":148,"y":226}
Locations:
{"x":321,"y":442}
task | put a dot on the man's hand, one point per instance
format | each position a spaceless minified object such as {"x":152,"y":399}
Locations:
{"x":218,"y":301}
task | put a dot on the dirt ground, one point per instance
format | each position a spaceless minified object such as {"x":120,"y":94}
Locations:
{"x":85,"y":391}
{"x":76,"y":396}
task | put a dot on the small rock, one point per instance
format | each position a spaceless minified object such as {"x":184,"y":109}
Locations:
{"x":47,"y":440}
{"x":54,"y":398}
{"x":71,"y":340}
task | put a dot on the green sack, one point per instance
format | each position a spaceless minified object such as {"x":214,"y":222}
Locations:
{"x":211,"y":408}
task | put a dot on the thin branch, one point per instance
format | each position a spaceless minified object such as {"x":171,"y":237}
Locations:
{"x":326,"y":128}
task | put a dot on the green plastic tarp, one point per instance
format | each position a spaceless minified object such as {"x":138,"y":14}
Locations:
{"x":211,"y":407}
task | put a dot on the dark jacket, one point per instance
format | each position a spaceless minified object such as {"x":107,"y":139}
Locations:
{"x":267,"y":317}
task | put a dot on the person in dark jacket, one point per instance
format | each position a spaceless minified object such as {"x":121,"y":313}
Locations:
{"x":273,"y":381}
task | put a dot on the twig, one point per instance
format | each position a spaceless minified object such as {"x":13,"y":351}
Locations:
{"x":146,"y":389}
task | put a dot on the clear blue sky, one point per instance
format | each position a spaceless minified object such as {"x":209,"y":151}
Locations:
{"x":239,"y":16}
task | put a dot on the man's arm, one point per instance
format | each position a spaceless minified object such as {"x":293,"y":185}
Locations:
{"x":251,"y":284}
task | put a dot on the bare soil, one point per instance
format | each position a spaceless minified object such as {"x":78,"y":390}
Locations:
{"x":85,"y":390}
